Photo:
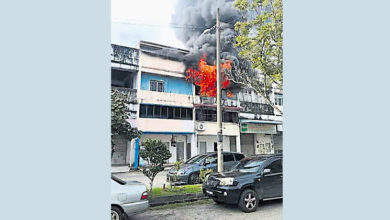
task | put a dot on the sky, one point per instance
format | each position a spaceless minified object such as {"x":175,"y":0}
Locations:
{"x":135,"y":20}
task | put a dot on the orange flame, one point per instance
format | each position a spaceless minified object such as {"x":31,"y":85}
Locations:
{"x":206,"y":77}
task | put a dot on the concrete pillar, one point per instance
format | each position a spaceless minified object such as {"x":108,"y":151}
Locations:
{"x":238,"y":143}
{"x":194,"y":148}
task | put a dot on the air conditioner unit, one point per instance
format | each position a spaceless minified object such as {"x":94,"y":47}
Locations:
{"x":201,"y":127}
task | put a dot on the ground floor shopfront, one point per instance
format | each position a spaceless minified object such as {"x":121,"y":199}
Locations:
{"x":181,"y":145}
{"x":122,"y":151}
{"x":208,"y":143}
{"x":260,"y":138}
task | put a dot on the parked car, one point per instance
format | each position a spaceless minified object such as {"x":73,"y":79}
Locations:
{"x":127,"y":198}
{"x":255,"y":179}
{"x":189,"y":171}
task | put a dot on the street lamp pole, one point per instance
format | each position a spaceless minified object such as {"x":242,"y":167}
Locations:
{"x":219,"y":109}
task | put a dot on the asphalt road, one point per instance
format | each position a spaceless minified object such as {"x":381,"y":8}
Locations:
{"x":271,"y":210}
{"x":159,"y":180}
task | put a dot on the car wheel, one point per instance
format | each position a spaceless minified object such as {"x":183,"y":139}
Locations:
{"x":248,"y":201}
{"x":116,"y":213}
{"x":193,"y":178}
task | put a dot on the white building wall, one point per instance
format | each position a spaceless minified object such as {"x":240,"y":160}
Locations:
{"x":166,"y":138}
{"x":211,"y":128}
{"x":165,"y":125}
{"x":157,"y":65}
{"x":163,"y":98}
{"x":210,"y":140}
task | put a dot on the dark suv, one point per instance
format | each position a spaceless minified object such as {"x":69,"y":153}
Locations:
{"x":254,"y":179}
{"x":189,"y":170}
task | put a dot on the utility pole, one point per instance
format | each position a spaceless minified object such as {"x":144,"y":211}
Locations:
{"x":219,"y":109}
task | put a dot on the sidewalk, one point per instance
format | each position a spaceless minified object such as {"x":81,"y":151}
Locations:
{"x":126,"y":168}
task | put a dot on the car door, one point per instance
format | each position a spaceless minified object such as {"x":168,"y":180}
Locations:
{"x":272,"y":181}
{"x":228,"y":161}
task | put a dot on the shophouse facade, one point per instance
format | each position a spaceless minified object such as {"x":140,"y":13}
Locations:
{"x":166,"y":107}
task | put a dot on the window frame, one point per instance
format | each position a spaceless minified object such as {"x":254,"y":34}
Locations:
{"x":275,"y":161}
{"x":228,"y":154}
{"x":157,"y":84}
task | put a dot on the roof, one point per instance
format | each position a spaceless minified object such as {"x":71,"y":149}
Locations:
{"x":266,"y":156}
{"x":209,"y":153}
{"x":155,"y":46}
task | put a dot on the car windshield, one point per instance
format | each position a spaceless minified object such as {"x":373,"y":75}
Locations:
{"x":195,"y":159}
{"x":250,"y":165}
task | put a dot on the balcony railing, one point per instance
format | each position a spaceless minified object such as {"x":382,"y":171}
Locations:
{"x":257,"y":108}
{"x":213,"y":101}
{"x":131,"y":92}
{"x":124,"y":55}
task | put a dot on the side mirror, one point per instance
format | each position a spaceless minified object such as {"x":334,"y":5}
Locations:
{"x":265,"y":171}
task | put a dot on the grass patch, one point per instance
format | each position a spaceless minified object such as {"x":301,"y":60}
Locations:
{"x":186,"y":189}
{"x":177,"y":205}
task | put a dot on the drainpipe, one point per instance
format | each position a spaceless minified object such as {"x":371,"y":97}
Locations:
{"x":136,"y":159}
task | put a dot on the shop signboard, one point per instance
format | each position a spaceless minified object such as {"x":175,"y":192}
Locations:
{"x":258,"y":128}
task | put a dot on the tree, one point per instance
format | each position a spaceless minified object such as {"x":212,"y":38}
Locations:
{"x":120,"y":112}
{"x":155,"y":153}
{"x":260,"y":41}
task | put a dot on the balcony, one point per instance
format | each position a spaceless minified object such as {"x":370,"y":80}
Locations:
{"x":256,"y":108}
{"x":125,"y":57}
{"x":211,"y":102}
{"x":131,"y":92}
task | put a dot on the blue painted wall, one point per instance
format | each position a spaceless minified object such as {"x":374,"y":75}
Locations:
{"x":171,"y":84}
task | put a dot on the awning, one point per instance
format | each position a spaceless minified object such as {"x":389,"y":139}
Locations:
{"x":261,"y":121}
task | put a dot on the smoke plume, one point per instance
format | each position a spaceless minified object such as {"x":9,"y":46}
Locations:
{"x":199,"y":18}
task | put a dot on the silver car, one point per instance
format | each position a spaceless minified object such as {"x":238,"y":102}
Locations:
{"x":127,"y":198}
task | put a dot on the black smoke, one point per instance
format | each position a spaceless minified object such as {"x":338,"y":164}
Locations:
{"x":198,"y":19}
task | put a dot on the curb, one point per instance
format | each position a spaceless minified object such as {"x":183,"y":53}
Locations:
{"x":165,"y":200}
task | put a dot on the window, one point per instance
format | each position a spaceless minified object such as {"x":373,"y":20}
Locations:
{"x":176,"y":113}
{"x":157,"y":86}
{"x":230,"y":117}
{"x":149,"y":111}
{"x":233,"y":147}
{"x":170,"y":112}
{"x":278,"y":99}
{"x":160,"y":86}
{"x":211,"y":115}
{"x":197,"y":90}
{"x":276,"y":166}
{"x":239,"y":157}
{"x":211,"y":159}
{"x":183,"y":113}
{"x":189,"y":114}
{"x":143,"y":111}
{"x":157,"y":112}
{"x":215,"y":146}
{"x":165,"y":112}
{"x":228,"y":157}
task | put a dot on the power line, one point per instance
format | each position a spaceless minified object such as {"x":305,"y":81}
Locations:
{"x":161,"y":24}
